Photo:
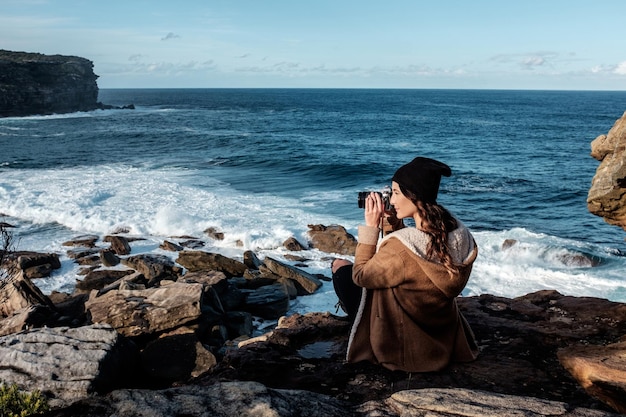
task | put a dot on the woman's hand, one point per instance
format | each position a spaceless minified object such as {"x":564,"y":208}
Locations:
{"x":374,"y":209}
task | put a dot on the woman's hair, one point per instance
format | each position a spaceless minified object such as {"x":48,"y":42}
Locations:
{"x":437,"y":222}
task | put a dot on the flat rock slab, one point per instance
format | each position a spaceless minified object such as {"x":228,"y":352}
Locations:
{"x":64,"y":363}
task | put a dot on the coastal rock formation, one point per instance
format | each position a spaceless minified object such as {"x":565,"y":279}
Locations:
{"x":192,"y":344}
{"x":227,"y":399}
{"x":68,"y":362}
{"x":32,"y":83}
{"x":607,"y":195}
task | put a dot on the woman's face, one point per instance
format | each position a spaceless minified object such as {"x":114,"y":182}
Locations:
{"x":403,"y":206}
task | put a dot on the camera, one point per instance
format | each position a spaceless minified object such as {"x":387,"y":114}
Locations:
{"x":385,"y":194}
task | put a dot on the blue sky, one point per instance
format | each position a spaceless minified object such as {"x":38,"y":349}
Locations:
{"x":494,"y":44}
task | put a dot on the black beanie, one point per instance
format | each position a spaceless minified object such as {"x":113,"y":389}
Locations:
{"x":422,"y":176}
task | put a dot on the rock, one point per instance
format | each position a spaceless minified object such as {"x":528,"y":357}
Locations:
{"x":607,"y":195}
{"x":66,"y":364}
{"x":43,"y":84}
{"x":171,"y":246}
{"x":35,"y":315}
{"x":251,"y":260}
{"x":292,"y":244}
{"x":18,"y":292}
{"x":508,"y":243}
{"x":82,"y":253}
{"x":517,"y":372}
{"x":214,"y":234}
{"x":88,"y":241}
{"x":192,"y":244}
{"x":268,"y":302}
{"x":306,"y":283}
{"x":225,"y":399}
{"x":601,"y":370}
{"x":176,"y":357}
{"x":29,"y":260}
{"x":119,"y":244}
{"x":108,"y":258}
{"x":98,"y":279}
{"x":518,"y":339}
{"x":32,"y":83}
{"x":153,"y":267}
{"x":205,"y":261}
{"x":140,"y":312}
{"x":332,"y":239}
{"x":464,"y":402}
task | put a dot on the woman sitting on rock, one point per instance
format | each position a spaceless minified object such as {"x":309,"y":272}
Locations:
{"x":401,"y":291}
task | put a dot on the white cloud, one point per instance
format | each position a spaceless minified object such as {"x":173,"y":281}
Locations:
{"x":620,"y":69}
{"x":533,"y":61}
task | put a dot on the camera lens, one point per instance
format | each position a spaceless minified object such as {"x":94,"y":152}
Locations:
{"x":362,"y":196}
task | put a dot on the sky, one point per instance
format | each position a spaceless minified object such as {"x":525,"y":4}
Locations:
{"x":468,"y":44}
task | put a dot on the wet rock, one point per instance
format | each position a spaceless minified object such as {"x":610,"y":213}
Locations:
{"x":36,"y":265}
{"x":119,"y":244}
{"x":108,"y":258}
{"x":292,"y":244}
{"x":508,"y":243}
{"x":88,"y":241}
{"x":154,"y":268}
{"x":214,"y":234}
{"x":305,"y":282}
{"x":332,"y":239}
{"x":269,"y":301}
{"x":205,"y":261}
{"x":251,"y":260}
{"x":98,"y":279}
{"x":171,"y":246}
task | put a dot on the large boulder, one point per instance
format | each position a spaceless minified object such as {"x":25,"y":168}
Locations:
{"x":607,"y":195}
{"x":206,"y":261}
{"x":332,"y":239}
{"x":601,"y":370}
{"x":67,"y":364}
{"x":306,"y":283}
{"x":18,"y":292}
{"x":139,"y":312}
{"x":154,"y":267}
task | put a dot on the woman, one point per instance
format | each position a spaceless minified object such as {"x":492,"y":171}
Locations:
{"x":402,"y":298}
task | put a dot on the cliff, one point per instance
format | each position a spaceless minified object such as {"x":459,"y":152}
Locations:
{"x":32,"y":83}
{"x":607,"y":195}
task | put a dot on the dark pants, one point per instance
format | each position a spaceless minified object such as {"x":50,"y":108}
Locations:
{"x":347,"y":291}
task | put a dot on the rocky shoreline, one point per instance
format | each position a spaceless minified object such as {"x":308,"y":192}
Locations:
{"x":170,"y":338}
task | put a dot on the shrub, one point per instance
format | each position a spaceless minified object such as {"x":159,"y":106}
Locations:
{"x":14,"y":403}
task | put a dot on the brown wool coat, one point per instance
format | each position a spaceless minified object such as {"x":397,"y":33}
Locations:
{"x":408,"y":318}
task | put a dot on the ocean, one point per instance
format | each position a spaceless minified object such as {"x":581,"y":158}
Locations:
{"x":260,"y":165}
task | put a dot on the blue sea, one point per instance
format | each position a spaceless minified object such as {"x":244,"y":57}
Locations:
{"x":260,"y":165}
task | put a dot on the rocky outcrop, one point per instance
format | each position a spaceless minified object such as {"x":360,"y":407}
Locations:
{"x":227,"y":399}
{"x":198,"y":330}
{"x":33,"y":84}
{"x":67,"y":363}
{"x":607,"y":195}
